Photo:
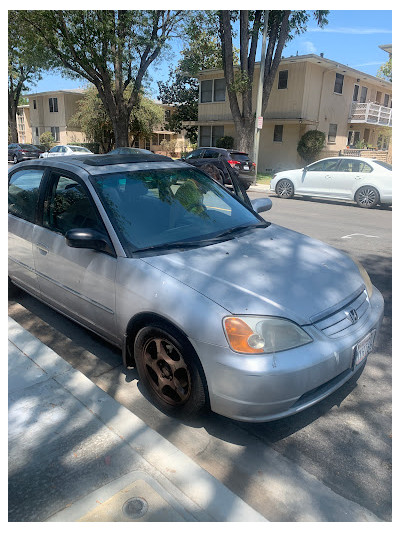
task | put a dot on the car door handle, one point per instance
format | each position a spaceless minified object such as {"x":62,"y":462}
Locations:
{"x":328,"y":176}
{"x":42,"y":248}
{"x":357,"y":177}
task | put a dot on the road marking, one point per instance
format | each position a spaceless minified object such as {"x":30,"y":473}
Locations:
{"x":361,"y":234}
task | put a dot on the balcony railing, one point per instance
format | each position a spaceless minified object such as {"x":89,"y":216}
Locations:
{"x":370,"y":113}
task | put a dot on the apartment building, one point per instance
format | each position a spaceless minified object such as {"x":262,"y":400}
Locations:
{"x":309,"y":92}
{"x":52,"y":111}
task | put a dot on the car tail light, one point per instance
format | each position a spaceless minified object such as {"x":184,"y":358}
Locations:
{"x":253,"y":164}
{"x":232,"y":162}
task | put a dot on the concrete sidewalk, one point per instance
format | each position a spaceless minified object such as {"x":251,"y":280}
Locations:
{"x":75,"y":454}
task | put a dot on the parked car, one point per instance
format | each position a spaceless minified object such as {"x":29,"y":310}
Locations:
{"x":226,"y":171}
{"x":240,"y":161}
{"x":65,"y":149}
{"x":365,"y":181}
{"x":127,"y":150}
{"x":214,"y":305}
{"x":21,"y":152}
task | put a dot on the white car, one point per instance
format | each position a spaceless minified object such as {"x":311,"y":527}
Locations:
{"x":366,"y":181}
{"x":65,"y":149}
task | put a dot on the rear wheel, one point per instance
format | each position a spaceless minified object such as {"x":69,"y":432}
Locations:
{"x":170,"y":371}
{"x":367,"y":197}
{"x":15,"y":159}
{"x":285,"y":189}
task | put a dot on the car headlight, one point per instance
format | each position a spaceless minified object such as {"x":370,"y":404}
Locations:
{"x":260,"y":334}
{"x":364,"y":275}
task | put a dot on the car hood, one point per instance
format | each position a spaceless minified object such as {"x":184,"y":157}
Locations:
{"x":267,"y":271}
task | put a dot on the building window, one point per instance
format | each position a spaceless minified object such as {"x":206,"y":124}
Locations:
{"x":283,"y":79}
{"x":34,"y":104}
{"x":278,"y":133}
{"x":338,"y":84}
{"x":212,"y":90}
{"x":55,"y":131}
{"x":332,"y":133}
{"x":386,"y":101}
{"x":37,"y":132}
{"x":53,"y":105}
{"x":355,"y":93}
{"x":378,"y":97}
{"x":147,"y":144}
{"x":136,"y":143}
{"x":363,"y":98}
{"x":209,"y":135}
{"x":167,"y":114}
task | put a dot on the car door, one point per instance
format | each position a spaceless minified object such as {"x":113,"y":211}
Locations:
{"x":11,"y":148}
{"x":316,"y":178}
{"x":23,"y":195}
{"x":349,"y":177}
{"x":77,"y":281}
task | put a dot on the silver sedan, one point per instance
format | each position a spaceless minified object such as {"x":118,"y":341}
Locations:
{"x":214,"y":306}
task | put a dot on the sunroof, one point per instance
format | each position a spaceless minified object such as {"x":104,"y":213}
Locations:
{"x":100,"y":160}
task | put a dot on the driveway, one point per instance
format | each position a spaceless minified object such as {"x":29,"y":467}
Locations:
{"x":331,"y":462}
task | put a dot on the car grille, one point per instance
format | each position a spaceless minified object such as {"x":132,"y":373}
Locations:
{"x":337,"y":323}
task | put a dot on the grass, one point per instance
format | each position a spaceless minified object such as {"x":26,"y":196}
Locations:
{"x":263,"y":179}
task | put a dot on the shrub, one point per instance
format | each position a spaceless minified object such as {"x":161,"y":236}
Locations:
{"x":47,"y":140}
{"x":225,"y":142}
{"x":310,"y":145}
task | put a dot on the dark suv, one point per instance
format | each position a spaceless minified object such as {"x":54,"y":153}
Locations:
{"x":240,"y":161}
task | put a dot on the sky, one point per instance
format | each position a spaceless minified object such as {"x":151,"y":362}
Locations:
{"x":351,"y":37}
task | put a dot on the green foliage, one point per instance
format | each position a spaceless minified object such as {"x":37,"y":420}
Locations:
{"x":310,"y":145}
{"x":47,"y":140}
{"x":225,"y":142}
{"x":385,"y":71}
{"x":145,"y":117}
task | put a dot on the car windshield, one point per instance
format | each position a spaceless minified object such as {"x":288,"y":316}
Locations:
{"x":161,"y":208}
{"x":383,"y":164}
{"x":78,"y":149}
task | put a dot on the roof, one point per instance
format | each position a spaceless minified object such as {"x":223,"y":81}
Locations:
{"x":65,"y":91}
{"x":324,"y":62}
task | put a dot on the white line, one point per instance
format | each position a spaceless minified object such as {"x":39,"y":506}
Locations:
{"x":361,"y":234}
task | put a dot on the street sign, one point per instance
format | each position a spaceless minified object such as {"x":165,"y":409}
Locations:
{"x":260,"y":123}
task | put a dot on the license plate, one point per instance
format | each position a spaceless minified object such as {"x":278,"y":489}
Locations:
{"x":246,"y":167}
{"x":363,"y":348}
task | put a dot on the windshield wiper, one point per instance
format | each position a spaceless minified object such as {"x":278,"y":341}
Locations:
{"x":240,"y":228}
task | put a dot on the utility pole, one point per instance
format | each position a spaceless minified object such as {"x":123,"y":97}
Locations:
{"x":259,"y":118}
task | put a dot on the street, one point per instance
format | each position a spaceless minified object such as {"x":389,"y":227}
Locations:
{"x":331,"y":462}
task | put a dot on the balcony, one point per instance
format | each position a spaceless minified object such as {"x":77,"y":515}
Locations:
{"x":370,"y":113}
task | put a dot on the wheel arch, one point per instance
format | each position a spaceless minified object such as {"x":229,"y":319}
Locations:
{"x":143,"y":319}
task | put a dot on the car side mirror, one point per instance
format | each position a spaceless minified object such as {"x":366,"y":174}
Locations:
{"x":89,"y":238}
{"x":260,"y":205}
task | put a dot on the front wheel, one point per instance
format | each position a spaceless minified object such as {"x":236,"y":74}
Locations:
{"x":367,"y":197}
{"x":15,"y":159}
{"x":170,"y":371}
{"x":285,"y":189}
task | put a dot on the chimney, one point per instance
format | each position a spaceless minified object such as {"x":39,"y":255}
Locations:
{"x":321,"y":54}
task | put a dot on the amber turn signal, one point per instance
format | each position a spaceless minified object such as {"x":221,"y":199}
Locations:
{"x":238,"y":333}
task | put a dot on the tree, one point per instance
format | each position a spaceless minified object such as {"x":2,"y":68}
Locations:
{"x":112,"y":49}
{"x":201,"y":51}
{"x":282,"y":25}
{"x":93,"y":119}
{"x":385,"y":71}
{"x":27,"y":59}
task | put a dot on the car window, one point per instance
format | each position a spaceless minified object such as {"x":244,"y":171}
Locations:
{"x":62,"y":149}
{"x":211,"y":153}
{"x":23,"y":193}
{"x":354,"y":165}
{"x":240,"y":156}
{"x":323,"y":166}
{"x":383,"y":164}
{"x":159,"y":207}
{"x":70,"y":207}
{"x":78,"y":149}
{"x":54,"y":149}
{"x":194,"y":154}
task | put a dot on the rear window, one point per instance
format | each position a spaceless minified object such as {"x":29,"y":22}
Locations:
{"x":383,"y":164}
{"x":240,"y":156}
{"x":28,"y":147}
{"x":78,"y":149}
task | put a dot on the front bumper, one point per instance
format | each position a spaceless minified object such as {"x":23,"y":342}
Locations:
{"x":260,"y":388}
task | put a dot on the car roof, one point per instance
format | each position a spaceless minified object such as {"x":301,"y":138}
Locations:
{"x":104,"y":163}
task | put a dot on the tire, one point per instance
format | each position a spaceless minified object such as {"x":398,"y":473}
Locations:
{"x":170,"y":371}
{"x":284,"y":189}
{"x":367,"y":197}
{"x":15,"y":159}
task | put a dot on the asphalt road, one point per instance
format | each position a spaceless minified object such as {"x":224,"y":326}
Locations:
{"x":331,"y":462}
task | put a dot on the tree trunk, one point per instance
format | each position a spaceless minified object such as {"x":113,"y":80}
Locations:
{"x":245,"y":136}
{"x":12,"y":122}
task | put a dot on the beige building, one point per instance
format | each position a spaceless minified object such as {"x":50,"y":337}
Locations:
{"x":309,"y":92}
{"x":52,"y":111}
